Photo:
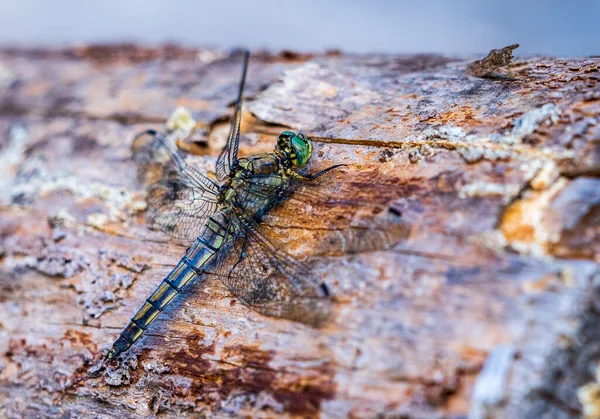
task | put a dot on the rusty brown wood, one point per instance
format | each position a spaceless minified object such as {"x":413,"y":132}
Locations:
{"x":490,"y":307}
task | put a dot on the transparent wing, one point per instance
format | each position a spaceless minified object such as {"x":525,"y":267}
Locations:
{"x":267,"y":279}
{"x":229,"y":153}
{"x":294,"y":191}
{"x":180,"y":198}
{"x":381,"y":228}
{"x":383,"y":232}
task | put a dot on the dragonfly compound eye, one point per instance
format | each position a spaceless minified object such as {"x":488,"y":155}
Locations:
{"x":298,"y":147}
{"x":301,"y":150}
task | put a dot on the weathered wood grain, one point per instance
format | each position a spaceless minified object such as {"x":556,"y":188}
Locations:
{"x":497,"y":178}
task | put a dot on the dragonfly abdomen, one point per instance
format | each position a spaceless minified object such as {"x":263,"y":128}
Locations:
{"x":203,"y":249}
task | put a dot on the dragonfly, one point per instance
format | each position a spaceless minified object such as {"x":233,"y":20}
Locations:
{"x":222,"y":219}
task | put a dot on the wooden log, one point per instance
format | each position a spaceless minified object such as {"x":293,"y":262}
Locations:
{"x":488,"y":309}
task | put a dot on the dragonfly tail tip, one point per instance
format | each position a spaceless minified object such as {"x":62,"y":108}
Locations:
{"x":111,"y":354}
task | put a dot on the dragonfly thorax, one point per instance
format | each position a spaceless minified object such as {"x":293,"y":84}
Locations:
{"x":259,"y":178}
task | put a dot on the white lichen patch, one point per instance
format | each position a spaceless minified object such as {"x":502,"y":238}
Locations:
{"x":207,"y":56}
{"x":138,"y":205}
{"x":10,"y":157}
{"x":527,"y":124}
{"x":490,"y":388}
{"x":472,"y":148}
{"x":7,"y":77}
{"x":493,"y":240}
{"x":531,"y":168}
{"x":121,"y":202}
{"x":530,"y":121}
{"x":152,"y":365}
{"x":546,"y":176}
{"x":495,"y":146}
{"x":524,"y":224}
{"x":477,"y":189}
{"x":97,"y":220}
{"x":181,"y":120}
{"x":63,"y":217}
{"x":589,"y":396}
{"x":476,"y":153}
{"x":420,"y":152}
{"x":567,"y":276}
{"x":118,"y":377}
{"x":447,"y":132}
{"x":28,"y":179}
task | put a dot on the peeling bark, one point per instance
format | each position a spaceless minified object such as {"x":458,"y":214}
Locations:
{"x":496,"y":176}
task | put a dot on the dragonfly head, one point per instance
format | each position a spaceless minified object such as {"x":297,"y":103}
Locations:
{"x":298,"y":147}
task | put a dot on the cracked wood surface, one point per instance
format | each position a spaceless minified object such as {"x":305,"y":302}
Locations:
{"x":488,"y":308}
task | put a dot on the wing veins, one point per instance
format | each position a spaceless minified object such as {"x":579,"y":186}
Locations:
{"x":229,"y":153}
{"x":180,"y":198}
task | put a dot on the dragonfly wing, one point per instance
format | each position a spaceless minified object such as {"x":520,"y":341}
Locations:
{"x":268,"y":280}
{"x":383,"y":229}
{"x":229,"y":153}
{"x":180,"y":198}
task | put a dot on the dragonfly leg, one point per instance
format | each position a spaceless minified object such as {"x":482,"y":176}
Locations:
{"x":317,"y":175}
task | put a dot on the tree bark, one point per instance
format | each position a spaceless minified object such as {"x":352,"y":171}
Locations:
{"x":489,"y":308}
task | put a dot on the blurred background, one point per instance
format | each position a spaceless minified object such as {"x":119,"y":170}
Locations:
{"x":552,"y":27}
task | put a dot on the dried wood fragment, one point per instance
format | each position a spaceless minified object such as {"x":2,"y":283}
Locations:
{"x":495,"y":59}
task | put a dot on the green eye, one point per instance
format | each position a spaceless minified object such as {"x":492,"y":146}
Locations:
{"x":301,"y":150}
